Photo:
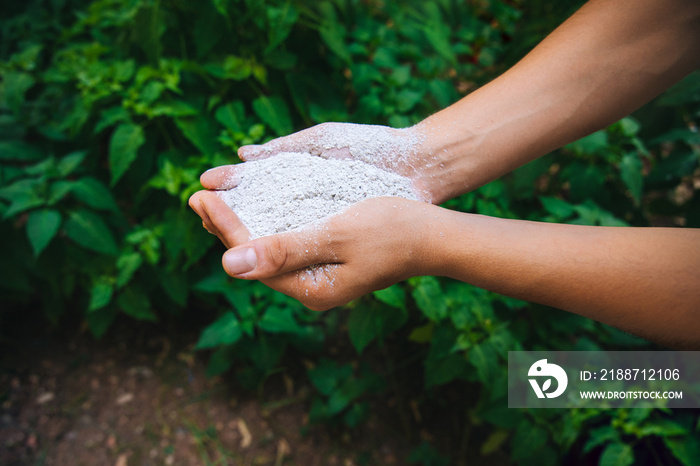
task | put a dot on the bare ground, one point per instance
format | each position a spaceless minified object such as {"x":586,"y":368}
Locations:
{"x":142,"y":398}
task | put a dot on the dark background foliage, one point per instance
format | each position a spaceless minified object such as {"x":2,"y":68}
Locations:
{"x":110,"y":110}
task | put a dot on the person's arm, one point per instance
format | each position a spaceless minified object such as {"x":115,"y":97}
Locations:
{"x":643,"y":280}
{"x":608,"y":59}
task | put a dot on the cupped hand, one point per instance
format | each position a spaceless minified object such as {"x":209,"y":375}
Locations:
{"x":403,"y":151}
{"x":369,"y":246}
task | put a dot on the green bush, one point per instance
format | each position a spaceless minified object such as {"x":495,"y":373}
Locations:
{"x":110,"y":110}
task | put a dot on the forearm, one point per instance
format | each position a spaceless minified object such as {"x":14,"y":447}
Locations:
{"x":604,"y":62}
{"x":643,"y":280}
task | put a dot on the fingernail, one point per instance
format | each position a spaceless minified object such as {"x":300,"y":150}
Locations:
{"x":239,"y":261}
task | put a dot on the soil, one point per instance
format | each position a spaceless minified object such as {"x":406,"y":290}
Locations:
{"x":141,"y":397}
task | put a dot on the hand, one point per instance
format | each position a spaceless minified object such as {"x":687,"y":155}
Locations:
{"x":367,"y":247}
{"x":402,"y":151}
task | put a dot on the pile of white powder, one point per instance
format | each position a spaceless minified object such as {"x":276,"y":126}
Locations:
{"x":291,"y":190}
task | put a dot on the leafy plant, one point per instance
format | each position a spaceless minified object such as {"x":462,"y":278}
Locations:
{"x":110,"y":110}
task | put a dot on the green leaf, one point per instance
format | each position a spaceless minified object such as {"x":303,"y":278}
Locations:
{"x":266,"y":352}
{"x":100,"y":320}
{"x":437,"y":32}
{"x":631,"y":173}
{"x":16,"y":84}
{"x":19,"y":188}
{"x":363,"y":327}
{"x":19,"y":150}
{"x":662,"y":427}
{"x":237,"y":68}
{"x":273,"y":112}
{"x":333,"y":33}
{"x":348,"y":391}
{"x":422,"y":334}
{"x":23,"y":202}
{"x":617,"y":454}
{"x":485,"y":360}
{"x":58,"y":190}
{"x":220,"y":361}
{"x":400,"y":75}
{"x":428,"y":297}
{"x":231,"y":115}
{"x":406,"y":99}
{"x":629,"y":126}
{"x":356,"y":414}
{"x":281,"y":20}
{"x":226,"y":330}
{"x":42,"y":226}
{"x":201,"y":132}
{"x":26,"y":59}
{"x":89,"y":231}
{"x":686,"y":449}
{"x":385,"y":57}
{"x":123,"y":148}
{"x":69,"y":163}
{"x":46,"y":168}
{"x":93,"y":193}
{"x":601,"y":435}
{"x":494,"y":441}
{"x":443,"y":91}
{"x":586,"y":180}
{"x":367,"y":323}
{"x":176,"y":285}
{"x":23,"y":195}
{"x":101,"y":293}
{"x":277,"y":319}
{"x":328,"y":374}
{"x":393,"y":296}
{"x":557,"y":207}
{"x":171,"y":108}
{"x":592,"y":144}
{"x":127,"y":265}
{"x":135,"y":303}
{"x":111,"y":117}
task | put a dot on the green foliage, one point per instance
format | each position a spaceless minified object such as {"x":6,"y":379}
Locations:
{"x":111,"y":109}
{"x":340,"y":389}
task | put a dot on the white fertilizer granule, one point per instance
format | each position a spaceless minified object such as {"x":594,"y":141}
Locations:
{"x":291,"y":190}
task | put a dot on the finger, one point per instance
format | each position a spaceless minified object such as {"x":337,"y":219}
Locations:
{"x":223,"y":221}
{"x":302,"y":141}
{"x":194,"y":203}
{"x":275,"y":255}
{"x":209,"y":225}
{"x":223,"y":177}
{"x":199,"y":210}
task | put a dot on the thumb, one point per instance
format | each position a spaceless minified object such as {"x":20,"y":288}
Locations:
{"x":275,"y":255}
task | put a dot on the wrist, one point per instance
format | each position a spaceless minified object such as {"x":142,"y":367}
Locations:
{"x":435,"y":241}
{"x":453,"y":159}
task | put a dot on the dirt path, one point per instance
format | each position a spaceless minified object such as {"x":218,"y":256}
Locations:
{"x":138,"y":400}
